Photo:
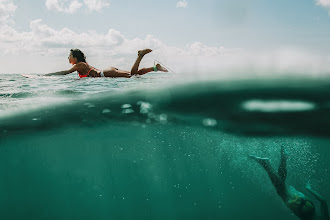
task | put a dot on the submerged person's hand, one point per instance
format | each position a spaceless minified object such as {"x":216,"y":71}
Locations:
{"x":308,"y":185}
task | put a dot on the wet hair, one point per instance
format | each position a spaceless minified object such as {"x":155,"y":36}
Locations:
{"x":308,"y":209}
{"x":78,"y":54}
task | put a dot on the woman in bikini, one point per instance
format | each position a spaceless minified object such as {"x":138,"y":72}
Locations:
{"x":296,"y":201}
{"x":78,"y":60}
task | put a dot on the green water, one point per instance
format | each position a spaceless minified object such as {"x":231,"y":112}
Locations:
{"x":134,"y":170}
{"x":94,"y":149}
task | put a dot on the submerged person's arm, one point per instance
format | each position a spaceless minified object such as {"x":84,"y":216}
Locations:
{"x":324,"y":205}
{"x":65,"y":72}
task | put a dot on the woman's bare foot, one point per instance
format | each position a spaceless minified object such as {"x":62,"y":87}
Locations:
{"x":160,"y":68}
{"x":284,"y":153}
{"x":141,"y":53}
{"x":264,"y":161}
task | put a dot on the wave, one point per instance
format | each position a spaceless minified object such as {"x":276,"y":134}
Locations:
{"x":255,"y":107}
{"x":21,"y":95}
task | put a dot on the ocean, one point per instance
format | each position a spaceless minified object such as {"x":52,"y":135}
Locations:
{"x":158,"y":146}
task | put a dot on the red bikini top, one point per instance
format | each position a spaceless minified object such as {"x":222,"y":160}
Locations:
{"x":82,"y":76}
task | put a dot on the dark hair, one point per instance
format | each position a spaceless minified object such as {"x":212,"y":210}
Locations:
{"x":309,"y":212}
{"x":80,"y":56}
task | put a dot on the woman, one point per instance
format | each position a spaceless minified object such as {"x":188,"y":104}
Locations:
{"x":296,"y":201}
{"x":78,"y":60}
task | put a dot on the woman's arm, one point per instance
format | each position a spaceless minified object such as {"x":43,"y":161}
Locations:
{"x":324,"y":205}
{"x":74,"y":68}
{"x":315,"y":194}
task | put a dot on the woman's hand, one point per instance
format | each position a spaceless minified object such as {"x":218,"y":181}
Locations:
{"x":308,"y":186}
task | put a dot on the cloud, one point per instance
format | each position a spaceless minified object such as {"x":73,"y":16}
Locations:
{"x":7,"y":9}
{"x":75,"y":5}
{"x":182,"y":4}
{"x":42,"y":39}
{"x":55,"y":5}
{"x":96,"y":5}
{"x":42,"y":42}
{"x":324,"y":3}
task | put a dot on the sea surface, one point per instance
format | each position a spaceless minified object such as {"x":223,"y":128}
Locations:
{"x":158,"y":146}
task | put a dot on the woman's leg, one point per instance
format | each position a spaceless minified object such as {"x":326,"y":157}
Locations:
{"x":114,"y":72}
{"x":145,"y":70}
{"x":135,"y":67}
{"x":151,"y":69}
{"x":274,"y":177}
{"x":282,"y":171}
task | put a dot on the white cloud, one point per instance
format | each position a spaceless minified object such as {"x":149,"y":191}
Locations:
{"x":324,"y":3}
{"x":75,"y":5}
{"x":43,"y":41}
{"x":115,"y":49}
{"x":55,"y":5}
{"x":198,"y":48}
{"x":7,"y":9}
{"x":182,"y":4}
{"x":97,"y":5}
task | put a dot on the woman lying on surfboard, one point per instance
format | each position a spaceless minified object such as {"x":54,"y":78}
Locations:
{"x":78,"y":60}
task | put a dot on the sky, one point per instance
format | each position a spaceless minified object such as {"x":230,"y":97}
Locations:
{"x":189,"y":36}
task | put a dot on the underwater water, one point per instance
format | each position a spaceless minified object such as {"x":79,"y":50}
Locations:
{"x":153,"y":148}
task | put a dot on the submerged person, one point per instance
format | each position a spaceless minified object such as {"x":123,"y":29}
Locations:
{"x":78,"y":60}
{"x":296,"y":201}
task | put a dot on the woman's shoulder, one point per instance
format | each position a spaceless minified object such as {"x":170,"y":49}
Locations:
{"x":295,"y":193}
{"x":82,"y":64}
{"x":81,"y":67}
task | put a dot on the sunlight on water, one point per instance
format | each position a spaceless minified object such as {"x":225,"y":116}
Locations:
{"x":277,"y":105}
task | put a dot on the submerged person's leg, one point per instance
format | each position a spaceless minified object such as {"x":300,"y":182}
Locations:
{"x":273,"y":175}
{"x":282,"y":171}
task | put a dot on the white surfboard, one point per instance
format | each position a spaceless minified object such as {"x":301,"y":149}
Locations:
{"x":37,"y":76}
